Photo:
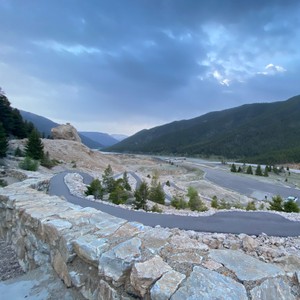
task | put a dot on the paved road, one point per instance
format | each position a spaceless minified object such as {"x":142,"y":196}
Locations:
{"x":247,"y":185}
{"x":252,"y":223}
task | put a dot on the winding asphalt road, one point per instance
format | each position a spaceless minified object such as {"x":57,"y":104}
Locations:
{"x":251,"y":223}
{"x":247,"y":185}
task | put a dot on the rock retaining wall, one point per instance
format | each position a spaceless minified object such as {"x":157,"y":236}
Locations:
{"x":105,"y":257}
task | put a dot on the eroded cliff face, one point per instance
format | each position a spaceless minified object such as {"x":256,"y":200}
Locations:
{"x":104,"y":257}
{"x":65,"y":132}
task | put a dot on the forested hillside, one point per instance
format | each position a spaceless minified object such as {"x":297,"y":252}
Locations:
{"x":263,"y":132}
{"x":11,"y":119}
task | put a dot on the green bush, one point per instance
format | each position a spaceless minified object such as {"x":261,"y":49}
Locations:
{"x":119,"y":195}
{"x":156,"y":209}
{"x":214,"y":202}
{"x":3,"y":183}
{"x":47,"y":162}
{"x":237,"y":205}
{"x":291,"y":206}
{"x":251,"y":206}
{"x":95,"y":189}
{"x":178,"y":202}
{"x":276,"y":203}
{"x":224,"y":205}
{"x":29,"y":164}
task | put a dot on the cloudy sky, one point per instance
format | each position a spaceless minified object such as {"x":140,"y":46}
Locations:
{"x":119,"y":66}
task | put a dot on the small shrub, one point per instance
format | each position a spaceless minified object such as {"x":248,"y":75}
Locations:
{"x":3,"y":183}
{"x":47,"y":162}
{"x":156,"y":209}
{"x":215,"y":202}
{"x":29,"y":164}
{"x":168,"y":183}
{"x":291,"y":206}
{"x":237,"y":205}
{"x":178,"y":202}
{"x":251,"y":206}
{"x":233,"y":168}
{"x":224,"y":205}
{"x":276,"y":203}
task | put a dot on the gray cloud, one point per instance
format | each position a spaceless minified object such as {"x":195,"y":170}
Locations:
{"x":118,"y":66}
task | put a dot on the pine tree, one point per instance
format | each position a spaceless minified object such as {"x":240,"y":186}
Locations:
{"x":95,"y":189}
{"x":157,"y":194}
{"x":126,"y":184}
{"x":249,"y":170}
{"x":195,"y":203}
{"x":258,"y":171}
{"x":233,"y":168}
{"x":276,"y":203}
{"x":34,"y":147}
{"x":141,"y":196}
{"x":108,"y":180}
{"x":3,"y":142}
{"x":266,"y":173}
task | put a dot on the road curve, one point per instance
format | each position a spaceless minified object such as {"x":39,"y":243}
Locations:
{"x":251,"y":223}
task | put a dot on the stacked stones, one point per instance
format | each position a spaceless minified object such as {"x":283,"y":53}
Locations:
{"x":104,"y":257}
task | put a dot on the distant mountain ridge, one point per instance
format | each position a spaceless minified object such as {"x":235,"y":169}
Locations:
{"x":94,"y":140}
{"x":261,"y":132}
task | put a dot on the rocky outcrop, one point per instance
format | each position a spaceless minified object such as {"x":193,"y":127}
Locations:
{"x":65,"y":132}
{"x":104,"y":257}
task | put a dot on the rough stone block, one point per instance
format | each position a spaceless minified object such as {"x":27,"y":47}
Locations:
{"x":90,"y":248}
{"x":114,"y":263}
{"x":206,"y":285}
{"x":165,"y":287}
{"x":61,"y":269}
{"x":144,"y":274}
{"x":244,"y":266}
{"x":272,"y":288}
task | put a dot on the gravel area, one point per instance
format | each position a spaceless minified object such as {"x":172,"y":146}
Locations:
{"x":9,"y":266}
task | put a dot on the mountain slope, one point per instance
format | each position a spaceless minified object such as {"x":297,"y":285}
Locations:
{"x":45,"y":125}
{"x":250,"y":131}
{"x":102,"y":138}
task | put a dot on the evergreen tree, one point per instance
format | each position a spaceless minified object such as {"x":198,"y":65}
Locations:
{"x":258,"y":171}
{"x":108,"y":180}
{"x":291,"y":206}
{"x":3,"y":142}
{"x":18,"y":129}
{"x":215,"y":202}
{"x":251,"y":205}
{"x":34,"y":146}
{"x":240,"y":170}
{"x":233,"y":168}
{"x":126,"y":184}
{"x":95,"y":189}
{"x":141,"y":196}
{"x":276,"y":203}
{"x":195,"y":203}
{"x":157,"y":194}
{"x":119,"y":195}
{"x":266,"y":173}
{"x":249,"y":170}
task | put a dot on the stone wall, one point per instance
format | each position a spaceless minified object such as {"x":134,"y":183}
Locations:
{"x":105,"y":257}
